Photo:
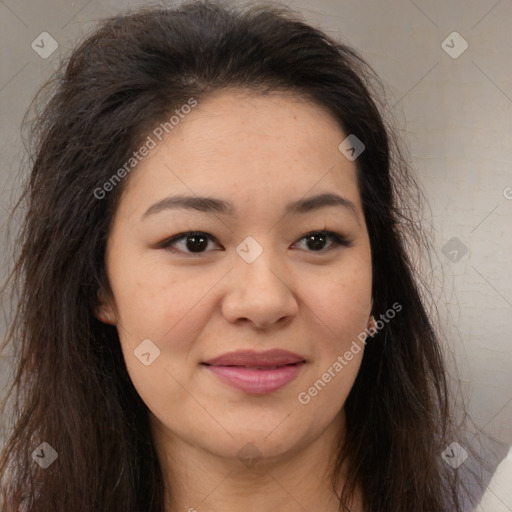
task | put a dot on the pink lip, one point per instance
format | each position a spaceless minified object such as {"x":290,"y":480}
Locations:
{"x":257,"y":372}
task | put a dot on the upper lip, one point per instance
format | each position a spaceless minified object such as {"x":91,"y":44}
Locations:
{"x":275,"y":357}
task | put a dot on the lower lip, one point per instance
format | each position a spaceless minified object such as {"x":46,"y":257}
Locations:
{"x":257,"y":382}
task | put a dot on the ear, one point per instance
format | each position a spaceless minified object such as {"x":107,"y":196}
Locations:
{"x":103,"y":311}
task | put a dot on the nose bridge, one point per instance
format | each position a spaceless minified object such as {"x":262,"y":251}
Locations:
{"x":259,"y":289}
{"x":259,"y":265}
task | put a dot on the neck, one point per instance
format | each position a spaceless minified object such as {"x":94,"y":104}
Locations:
{"x":199,"y":481}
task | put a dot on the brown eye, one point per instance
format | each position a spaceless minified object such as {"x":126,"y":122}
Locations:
{"x":190,"y":242}
{"x":316,"y":241}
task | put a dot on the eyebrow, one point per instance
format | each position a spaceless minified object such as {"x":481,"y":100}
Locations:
{"x":213,"y":205}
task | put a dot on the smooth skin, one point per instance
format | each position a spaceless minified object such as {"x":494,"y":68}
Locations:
{"x":257,"y":152}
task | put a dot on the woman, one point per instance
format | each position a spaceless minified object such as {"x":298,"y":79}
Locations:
{"x":217,"y":308}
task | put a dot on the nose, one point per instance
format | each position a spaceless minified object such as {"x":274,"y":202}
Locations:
{"x":260,"y":293}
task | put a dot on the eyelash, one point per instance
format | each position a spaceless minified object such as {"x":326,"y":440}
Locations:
{"x":338,"y":240}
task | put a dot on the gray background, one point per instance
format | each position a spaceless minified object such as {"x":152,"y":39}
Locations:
{"x":455,"y":116}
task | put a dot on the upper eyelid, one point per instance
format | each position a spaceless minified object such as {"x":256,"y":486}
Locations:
{"x":180,"y":236}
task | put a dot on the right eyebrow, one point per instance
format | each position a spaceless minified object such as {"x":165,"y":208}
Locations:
{"x":214,"y":205}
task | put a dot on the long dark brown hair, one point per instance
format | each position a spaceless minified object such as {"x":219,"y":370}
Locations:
{"x":71,"y":388}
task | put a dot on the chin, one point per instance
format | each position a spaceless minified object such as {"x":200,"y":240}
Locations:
{"x":251,"y":453}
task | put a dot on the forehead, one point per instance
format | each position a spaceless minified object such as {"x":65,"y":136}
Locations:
{"x":240,"y":144}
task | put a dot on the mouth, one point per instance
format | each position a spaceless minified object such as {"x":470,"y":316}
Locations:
{"x":257,"y":373}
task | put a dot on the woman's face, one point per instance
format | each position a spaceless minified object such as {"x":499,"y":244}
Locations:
{"x":251,"y":282}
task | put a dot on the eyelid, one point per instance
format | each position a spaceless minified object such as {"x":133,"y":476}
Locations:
{"x":166,"y":244}
{"x":338,"y":241}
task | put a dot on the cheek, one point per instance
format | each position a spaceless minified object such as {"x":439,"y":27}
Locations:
{"x":171,"y":306}
{"x":341,"y":301}
{"x":340,"y":308}
{"x":340,"y":317}
{"x":167,"y":306}
{"x":153,"y":299}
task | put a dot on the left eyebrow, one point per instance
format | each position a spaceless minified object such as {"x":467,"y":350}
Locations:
{"x":213,"y":205}
{"x":319,"y":201}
